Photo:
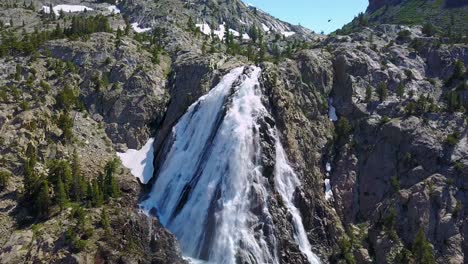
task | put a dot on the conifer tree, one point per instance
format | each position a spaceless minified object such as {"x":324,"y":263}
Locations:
{"x":29,"y":176}
{"x":42,"y":204}
{"x":382,"y":90}
{"x":110,"y":187}
{"x":60,"y":170}
{"x":66,"y":123}
{"x":78,"y":185}
{"x":97,"y":198}
{"x":368,"y":94}
{"x":400,"y":90}
{"x":4,"y":177}
{"x":61,"y":196}
{"x":422,"y":249}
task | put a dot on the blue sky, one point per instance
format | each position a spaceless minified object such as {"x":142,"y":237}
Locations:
{"x":313,"y":14}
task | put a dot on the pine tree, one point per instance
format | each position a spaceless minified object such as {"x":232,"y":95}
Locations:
{"x":4,"y":177}
{"x":97,"y":195}
{"x":191,"y":25}
{"x":342,"y":130}
{"x":78,"y":185}
{"x":29,"y":176}
{"x":422,"y":249}
{"x":382,"y":91}
{"x":110,"y":187}
{"x":66,"y":123}
{"x":105,"y":223}
{"x":42,"y":204}
{"x":400,"y":90}
{"x":60,"y":170}
{"x":368,"y":94}
{"x":61,"y":196}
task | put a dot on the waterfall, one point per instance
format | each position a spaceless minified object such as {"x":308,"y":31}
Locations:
{"x":211,"y":191}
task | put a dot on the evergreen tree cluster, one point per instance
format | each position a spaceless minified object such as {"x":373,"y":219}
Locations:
{"x":65,"y":183}
{"x":421,"y":251}
{"x":28,"y":43}
{"x":82,"y":26}
{"x":424,"y":104}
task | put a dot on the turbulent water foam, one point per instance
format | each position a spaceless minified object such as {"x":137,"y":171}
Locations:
{"x":210,"y":191}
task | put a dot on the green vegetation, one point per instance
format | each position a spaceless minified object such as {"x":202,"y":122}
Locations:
{"x":66,"y":99}
{"x":453,"y":139}
{"x":67,"y":183}
{"x":382,"y":91}
{"x":400,"y":90}
{"x":4,"y":178}
{"x":66,"y":123}
{"x":78,"y":235}
{"x":389,"y":223}
{"x":395,"y":182}
{"x":346,"y":250}
{"x":28,"y":43}
{"x":422,"y":249}
{"x":368,"y":94}
{"x":446,"y":19}
{"x":342,"y":130}
{"x":42,"y":202}
{"x":424,"y":104}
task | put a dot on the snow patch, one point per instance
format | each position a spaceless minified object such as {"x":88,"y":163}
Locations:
{"x":265,"y":28}
{"x":113,"y":9}
{"x":140,"y":162}
{"x":328,"y":190}
{"x":139,"y":29}
{"x":206,"y":29}
{"x":288,"y":33}
{"x":66,"y":9}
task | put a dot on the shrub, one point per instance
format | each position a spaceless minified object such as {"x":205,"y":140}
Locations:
{"x":404,"y":34}
{"x":459,"y":166}
{"x":453,"y":139}
{"x":66,"y":98}
{"x":429,"y":29}
{"x":395,"y":183}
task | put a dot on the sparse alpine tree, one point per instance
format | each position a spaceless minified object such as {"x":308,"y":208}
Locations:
{"x":382,"y":91}
{"x":400,"y":90}
{"x":61,"y":196}
{"x":42,"y":202}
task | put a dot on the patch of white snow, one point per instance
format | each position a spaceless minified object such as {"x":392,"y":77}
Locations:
{"x":140,"y":162}
{"x":113,"y":9}
{"x":66,"y":9}
{"x":139,"y":29}
{"x":288,"y":33}
{"x":265,"y":28}
{"x":204,"y":28}
{"x":328,"y":190}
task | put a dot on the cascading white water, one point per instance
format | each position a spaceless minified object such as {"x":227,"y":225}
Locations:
{"x":286,"y":182}
{"x":210,"y":191}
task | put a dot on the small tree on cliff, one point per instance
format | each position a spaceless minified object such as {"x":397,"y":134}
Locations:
{"x":422,"y":249}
